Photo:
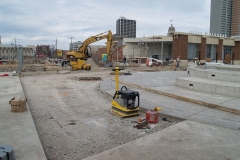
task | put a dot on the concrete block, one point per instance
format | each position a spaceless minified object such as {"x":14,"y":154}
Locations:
{"x":184,"y":64}
{"x":210,"y":86}
{"x":216,"y":74}
{"x":3,"y":155}
{"x":8,"y":150}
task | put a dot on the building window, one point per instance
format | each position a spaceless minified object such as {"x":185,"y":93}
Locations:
{"x":211,"y":51}
{"x":227,"y":50}
{"x":192,"y":51}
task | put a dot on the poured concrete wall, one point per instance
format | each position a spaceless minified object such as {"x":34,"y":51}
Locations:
{"x":210,"y":86}
{"x":217,"y":79}
{"x":215,"y":74}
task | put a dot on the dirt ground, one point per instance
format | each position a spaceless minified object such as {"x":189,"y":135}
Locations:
{"x":73,"y":117}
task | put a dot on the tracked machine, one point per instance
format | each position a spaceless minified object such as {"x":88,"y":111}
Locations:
{"x":77,"y":60}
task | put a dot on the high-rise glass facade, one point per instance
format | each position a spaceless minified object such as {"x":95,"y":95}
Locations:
{"x":221,"y":17}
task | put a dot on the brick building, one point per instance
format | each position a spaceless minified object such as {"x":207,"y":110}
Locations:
{"x":116,"y":51}
{"x":43,"y":49}
{"x":205,"y":47}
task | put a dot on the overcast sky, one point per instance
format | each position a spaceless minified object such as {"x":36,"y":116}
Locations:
{"x":43,"y":21}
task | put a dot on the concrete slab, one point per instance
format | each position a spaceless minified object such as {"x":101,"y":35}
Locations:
{"x":226,"y":123}
{"x":232,"y":103}
{"x":179,"y":108}
{"x":18,"y":129}
{"x":185,"y":140}
{"x":151,"y":82}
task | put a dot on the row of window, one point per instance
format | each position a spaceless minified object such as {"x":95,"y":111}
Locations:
{"x":14,"y":51}
{"x":210,"y":51}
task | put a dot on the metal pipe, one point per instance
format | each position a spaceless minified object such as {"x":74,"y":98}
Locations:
{"x":116,"y":72}
{"x":162,"y":51}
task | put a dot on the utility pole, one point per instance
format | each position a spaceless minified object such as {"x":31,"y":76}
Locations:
{"x":153,"y":44}
{"x":56,"y":46}
{"x":71,"y":42}
{"x":15,"y":49}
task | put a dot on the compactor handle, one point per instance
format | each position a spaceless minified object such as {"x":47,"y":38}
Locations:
{"x":117,"y":68}
{"x":124,"y":87}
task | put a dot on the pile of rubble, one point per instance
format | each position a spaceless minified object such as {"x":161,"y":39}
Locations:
{"x":33,"y":60}
{"x":4,"y":68}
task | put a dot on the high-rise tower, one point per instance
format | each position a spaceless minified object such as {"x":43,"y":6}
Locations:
{"x":221,"y":17}
{"x":126,"y":28}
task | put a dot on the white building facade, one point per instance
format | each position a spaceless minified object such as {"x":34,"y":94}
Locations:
{"x":10,"y":51}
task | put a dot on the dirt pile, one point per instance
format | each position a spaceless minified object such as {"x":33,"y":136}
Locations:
{"x":92,"y":62}
{"x":33,"y":60}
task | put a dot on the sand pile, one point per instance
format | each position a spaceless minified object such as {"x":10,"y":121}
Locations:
{"x":93,"y":64}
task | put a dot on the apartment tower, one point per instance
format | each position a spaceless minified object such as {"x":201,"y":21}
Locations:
{"x":126,"y":28}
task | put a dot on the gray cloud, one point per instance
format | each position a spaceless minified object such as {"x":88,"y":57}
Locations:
{"x":42,"y":22}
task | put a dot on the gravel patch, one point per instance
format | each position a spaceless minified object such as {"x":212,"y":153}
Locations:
{"x":73,"y":117}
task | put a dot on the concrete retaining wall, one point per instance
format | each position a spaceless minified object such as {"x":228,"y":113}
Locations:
{"x":210,"y":86}
{"x":216,"y":74}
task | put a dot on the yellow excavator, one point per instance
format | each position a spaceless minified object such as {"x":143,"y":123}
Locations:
{"x":78,"y":59}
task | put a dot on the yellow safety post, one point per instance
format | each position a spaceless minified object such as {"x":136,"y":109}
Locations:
{"x":116,"y":73}
{"x":117,"y":69}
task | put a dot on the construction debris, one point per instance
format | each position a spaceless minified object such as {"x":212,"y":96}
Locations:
{"x":142,"y":125}
{"x":90,"y":78}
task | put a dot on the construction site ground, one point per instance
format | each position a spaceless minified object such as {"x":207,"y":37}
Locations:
{"x":73,"y":117}
{"x":73,"y":121}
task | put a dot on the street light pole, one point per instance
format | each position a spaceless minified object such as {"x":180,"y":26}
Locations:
{"x":71,"y":43}
{"x":133,"y":52}
{"x":12,"y":50}
{"x":162,"y":51}
{"x":117,"y":53}
{"x":140,"y":43}
{"x":20,"y":58}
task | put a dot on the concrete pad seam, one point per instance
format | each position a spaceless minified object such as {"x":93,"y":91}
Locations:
{"x":197,"y":113}
{"x":29,"y":143}
{"x":229,"y":100}
{"x":214,"y":124}
{"x":218,"y":118}
{"x":192,"y":148}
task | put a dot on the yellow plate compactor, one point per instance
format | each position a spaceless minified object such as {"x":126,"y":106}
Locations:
{"x":125,"y":102}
